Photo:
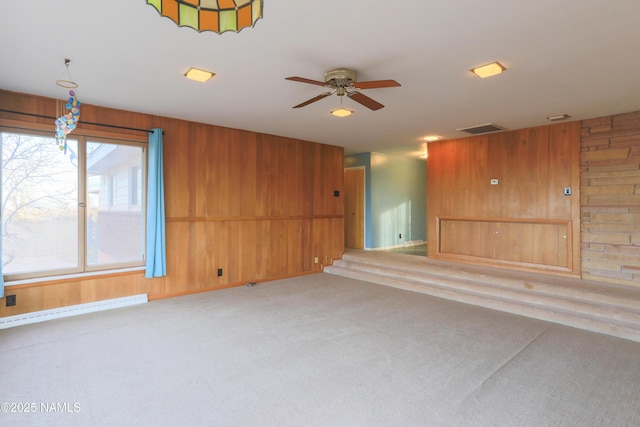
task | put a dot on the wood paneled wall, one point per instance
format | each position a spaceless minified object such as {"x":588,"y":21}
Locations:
{"x":257,"y":206}
{"x":524,"y":221}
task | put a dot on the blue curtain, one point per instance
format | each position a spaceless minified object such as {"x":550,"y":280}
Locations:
{"x":156,"y":246}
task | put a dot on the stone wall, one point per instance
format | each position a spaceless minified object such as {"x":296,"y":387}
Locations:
{"x":610,"y":199}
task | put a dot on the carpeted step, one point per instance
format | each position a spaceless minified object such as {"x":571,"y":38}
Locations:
{"x":500,"y":280}
{"x":610,"y":309}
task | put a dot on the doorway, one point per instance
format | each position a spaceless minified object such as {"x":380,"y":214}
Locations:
{"x":354,"y":194}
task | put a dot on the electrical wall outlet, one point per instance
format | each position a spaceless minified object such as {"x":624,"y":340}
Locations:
{"x":315,"y":260}
{"x":219,"y":272}
{"x":11,"y":300}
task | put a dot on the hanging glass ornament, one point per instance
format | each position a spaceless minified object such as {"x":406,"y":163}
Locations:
{"x":67,"y":109}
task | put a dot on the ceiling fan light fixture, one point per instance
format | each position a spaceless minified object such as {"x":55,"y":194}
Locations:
{"x":342,"y":81}
{"x":198,"y":75}
{"x":341,"y":112}
{"x":488,"y":70}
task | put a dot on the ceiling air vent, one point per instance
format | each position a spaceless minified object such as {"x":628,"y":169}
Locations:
{"x":476,"y":130}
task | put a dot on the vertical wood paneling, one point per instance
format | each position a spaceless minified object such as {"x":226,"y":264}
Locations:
{"x":258,"y":206}
{"x":179,"y":167}
{"x":206,"y":201}
{"x":244,"y":154}
{"x":263,"y":249}
{"x":528,"y":242}
{"x":515,"y":222}
{"x":544,"y":197}
{"x":247,"y":252}
{"x":479,"y":175}
{"x":306,"y":195}
{"x":328,"y":158}
{"x":265,"y":190}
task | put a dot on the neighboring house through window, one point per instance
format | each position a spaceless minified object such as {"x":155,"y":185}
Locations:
{"x":134,"y":185}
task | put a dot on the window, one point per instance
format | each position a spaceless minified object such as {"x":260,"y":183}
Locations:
{"x":134,"y":185}
{"x":73,"y":211}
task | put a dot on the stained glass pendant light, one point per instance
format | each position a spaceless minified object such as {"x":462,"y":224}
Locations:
{"x":211,"y":15}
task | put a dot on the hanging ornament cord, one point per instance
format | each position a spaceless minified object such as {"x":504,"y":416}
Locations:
{"x":67,"y":108}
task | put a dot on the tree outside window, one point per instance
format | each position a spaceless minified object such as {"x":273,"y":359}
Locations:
{"x":59,"y":213}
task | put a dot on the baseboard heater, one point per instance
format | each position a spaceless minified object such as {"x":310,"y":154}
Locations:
{"x":73,"y":310}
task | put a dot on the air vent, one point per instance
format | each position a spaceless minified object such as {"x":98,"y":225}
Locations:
{"x":475,"y":130}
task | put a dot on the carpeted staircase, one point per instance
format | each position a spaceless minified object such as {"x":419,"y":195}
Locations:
{"x":599,"y":307}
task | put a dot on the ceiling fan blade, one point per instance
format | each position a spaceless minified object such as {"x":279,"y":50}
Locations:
{"x":374,"y":84}
{"x":317,"y":98}
{"x":303,"y":80}
{"x":365,"y":100}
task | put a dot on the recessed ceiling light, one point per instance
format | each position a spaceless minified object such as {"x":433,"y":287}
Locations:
{"x":558,"y":117}
{"x":341,"y":112}
{"x":431,"y":138}
{"x":488,"y":70}
{"x":199,"y":75}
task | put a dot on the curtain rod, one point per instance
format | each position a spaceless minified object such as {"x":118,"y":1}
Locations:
{"x":87,"y":123}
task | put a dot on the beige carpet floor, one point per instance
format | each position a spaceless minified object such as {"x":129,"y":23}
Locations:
{"x":318,"y":350}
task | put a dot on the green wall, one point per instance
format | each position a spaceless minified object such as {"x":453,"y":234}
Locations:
{"x":396,"y":199}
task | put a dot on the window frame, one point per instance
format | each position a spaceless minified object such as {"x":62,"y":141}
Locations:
{"x":84,"y":137}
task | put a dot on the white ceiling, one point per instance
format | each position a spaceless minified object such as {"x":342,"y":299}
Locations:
{"x":579,"y":57}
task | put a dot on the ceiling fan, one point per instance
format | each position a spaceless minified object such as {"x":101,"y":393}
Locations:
{"x":342,"y":81}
